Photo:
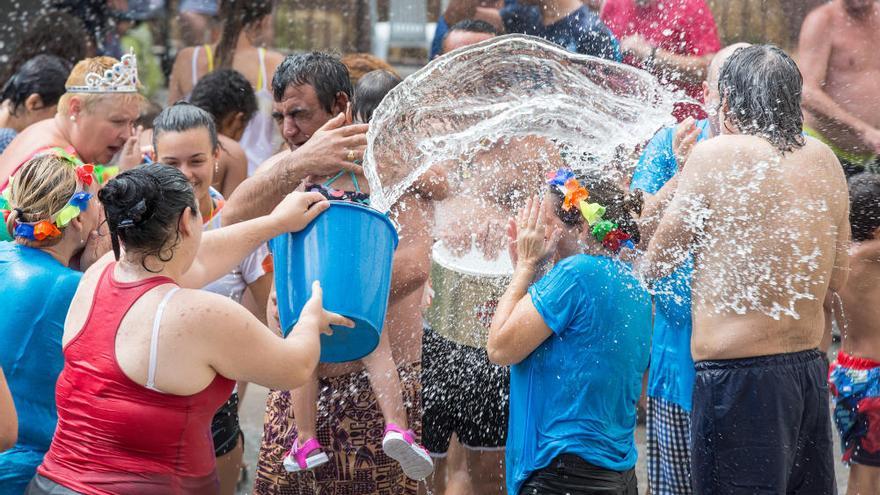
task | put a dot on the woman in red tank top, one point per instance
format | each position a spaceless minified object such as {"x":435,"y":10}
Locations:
{"x":147,"y":363}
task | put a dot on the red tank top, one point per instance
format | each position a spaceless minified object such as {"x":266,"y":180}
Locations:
{"x":117,"y":436}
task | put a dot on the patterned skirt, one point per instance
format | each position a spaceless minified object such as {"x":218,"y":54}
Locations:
{"x":350,"y":428}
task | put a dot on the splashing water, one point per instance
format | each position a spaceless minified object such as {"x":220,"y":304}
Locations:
{"x":508,"y":104}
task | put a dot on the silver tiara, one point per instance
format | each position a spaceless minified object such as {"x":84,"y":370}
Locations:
{"x":121,"y":78}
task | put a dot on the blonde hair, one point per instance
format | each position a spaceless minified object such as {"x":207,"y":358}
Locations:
{"x":40,"y":188}
{"x":359,"y":64}
{"x":77,"y":77}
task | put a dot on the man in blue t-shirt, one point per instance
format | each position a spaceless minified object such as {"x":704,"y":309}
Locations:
{"x":671,"y":374}
{"x":568,"y":23}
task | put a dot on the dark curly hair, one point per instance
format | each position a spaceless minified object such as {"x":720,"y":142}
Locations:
{"x":864,"y":205}
{"x":225,"y":92}
{"x":143,"y":206}
{"x":322,"y":71}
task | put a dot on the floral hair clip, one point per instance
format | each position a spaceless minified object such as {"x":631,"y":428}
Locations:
{"x":605,"y":231}
{"x":78,"y":202}
{"x":36,"y":231}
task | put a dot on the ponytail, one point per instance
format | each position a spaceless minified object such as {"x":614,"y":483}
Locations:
{"x":236,"y":15}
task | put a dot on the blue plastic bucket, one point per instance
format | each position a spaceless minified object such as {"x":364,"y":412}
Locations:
{"x":349,"y":248}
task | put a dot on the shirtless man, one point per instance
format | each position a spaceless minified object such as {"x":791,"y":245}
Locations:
{"x":309,"y":90}
{"x":764,"y":212}
{"x":855,"y":376}
{"x":838,"y":58}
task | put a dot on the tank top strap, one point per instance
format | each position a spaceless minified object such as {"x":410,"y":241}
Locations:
{"x":262,"y":77}
{"x":154,"y":341}
{"x":209,"y":52}
{"x":195,"y":65}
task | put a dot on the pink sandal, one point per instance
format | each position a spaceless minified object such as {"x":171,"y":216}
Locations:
{"x":400,"y":445}
{"x":309,"y":456}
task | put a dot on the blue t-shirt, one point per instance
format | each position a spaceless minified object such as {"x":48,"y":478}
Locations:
{"x":580,"y":32}
{"x":7,"y":134}
{"x":671,"y":376}
{"x":577,"y":392}
{"x":37,"y":290}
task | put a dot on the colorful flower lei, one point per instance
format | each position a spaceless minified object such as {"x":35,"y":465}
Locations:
{"x":576,"y":196}
{"x":78,"y":202}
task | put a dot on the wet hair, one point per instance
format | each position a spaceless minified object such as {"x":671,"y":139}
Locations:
{"x":620,"y":207}
{"x":41,"y":187}
{"x":53,"y":33}
{"x":472,"y":26}
{"x":236,"y":15}
{"x":43,"y":75}
{"x":361,"y":64}
{"x":143,"y":206}
{"x":322,"y":71}
{"x":181,"y":117}
{"x":225,"y":92}
{"x":864,"y":205}
{"x":370,"y":91}
{"x":762,"y":87}
{"x":77,"y":77}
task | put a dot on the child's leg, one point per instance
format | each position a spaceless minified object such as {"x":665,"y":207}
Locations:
{"x":306,"y":453}
{"x":386,"y":383}
{"x":863,"y":480}
{"x":305,"y":409}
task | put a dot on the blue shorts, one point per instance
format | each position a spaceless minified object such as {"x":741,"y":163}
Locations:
{"x":762,"y":425}
{"x":204,"y":7}
{"x":855,"y":388}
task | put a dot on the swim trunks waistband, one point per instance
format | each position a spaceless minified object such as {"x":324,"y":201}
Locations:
{"x":855,"y":362}
{"x":855,"y":158}
{"x":760,"y":361}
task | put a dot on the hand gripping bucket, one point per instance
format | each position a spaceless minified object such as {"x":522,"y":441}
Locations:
{"x":349,"y":248}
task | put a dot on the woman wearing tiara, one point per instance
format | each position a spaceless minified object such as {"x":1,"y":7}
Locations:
{"x":94,"y":122}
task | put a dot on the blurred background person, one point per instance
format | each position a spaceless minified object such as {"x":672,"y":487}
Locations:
{"x":31,"y":95}
{"x":247,"y":28}
{"x":840,"y":68}
{"x":673,"y":39}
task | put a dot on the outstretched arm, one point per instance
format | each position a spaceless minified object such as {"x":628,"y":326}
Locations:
{"x":325,"y":153}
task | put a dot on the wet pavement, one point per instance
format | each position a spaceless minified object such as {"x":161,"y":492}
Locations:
{"x":254,"y":405}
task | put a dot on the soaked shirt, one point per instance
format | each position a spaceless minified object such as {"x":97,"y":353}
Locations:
{"x":37,"y":290}
{"x":577,"y":392}
{"x":683,"y":27}
{"x":580,"y":32}
{"x":671,"y":376}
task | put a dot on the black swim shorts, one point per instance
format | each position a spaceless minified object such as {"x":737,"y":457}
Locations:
{"x":225,"y":427}
{"x":762,"y":425}
{"x":462,"y":393}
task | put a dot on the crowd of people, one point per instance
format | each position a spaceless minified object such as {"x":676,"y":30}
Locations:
{"x":136,"y":262}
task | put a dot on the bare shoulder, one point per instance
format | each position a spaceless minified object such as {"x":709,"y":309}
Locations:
{"x":820,"y":17}
{"x":205,"y":311}
{"x":232,"y":149}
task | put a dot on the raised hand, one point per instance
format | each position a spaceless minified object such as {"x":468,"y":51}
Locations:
{"x":334,"y":147}
{"x":298,"y":209}
{"x":684,"y":139}
{"x":533,"y":246}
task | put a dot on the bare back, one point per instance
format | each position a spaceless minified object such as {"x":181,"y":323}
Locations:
{"x":35,"y":137}
{"x":849,"y":68}
{"x":770,"y":238}
{"x":245,"y":60}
